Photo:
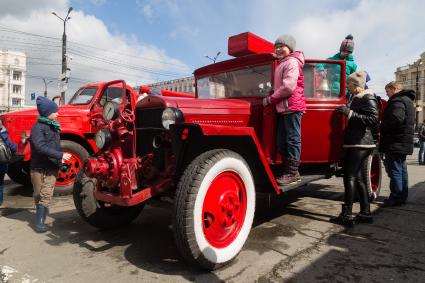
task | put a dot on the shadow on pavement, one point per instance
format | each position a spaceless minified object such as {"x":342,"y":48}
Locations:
{"x":392,"y":249}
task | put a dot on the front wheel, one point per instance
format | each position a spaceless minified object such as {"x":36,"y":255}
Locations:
{"x":214,"y":208}
{"x":373,"y":173}
{"x":95,"y":212}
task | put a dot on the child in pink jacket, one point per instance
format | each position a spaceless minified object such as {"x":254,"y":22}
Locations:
{"x":289,"y":100}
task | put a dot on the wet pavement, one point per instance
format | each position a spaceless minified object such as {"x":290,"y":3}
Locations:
{"x":292,"y":241}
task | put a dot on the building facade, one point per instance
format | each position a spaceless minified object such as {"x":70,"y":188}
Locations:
{"x":12,"y":80}
{"x":412,"y":76}
{"x":186,"y":85}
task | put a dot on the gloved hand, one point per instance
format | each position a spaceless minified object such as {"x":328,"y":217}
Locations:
{"x":266,"y":101}
{"x":343,"y":109}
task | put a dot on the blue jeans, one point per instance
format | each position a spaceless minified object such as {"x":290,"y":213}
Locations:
{"x":289,"y":135}
{"x":421,"y":151}
{"x":3,"y":170}
{"x":396,"y":167}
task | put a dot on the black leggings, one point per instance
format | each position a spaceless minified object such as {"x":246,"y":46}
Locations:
{"x":354,"y":177}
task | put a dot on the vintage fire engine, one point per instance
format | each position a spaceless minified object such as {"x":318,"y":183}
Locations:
{"x":213,"y":153}
{"x":77,"y":135}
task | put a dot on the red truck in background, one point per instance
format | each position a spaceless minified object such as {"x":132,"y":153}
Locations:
{"x":77,"y":135}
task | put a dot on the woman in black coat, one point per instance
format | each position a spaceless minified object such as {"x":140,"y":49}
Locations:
{"x":362,"y":125}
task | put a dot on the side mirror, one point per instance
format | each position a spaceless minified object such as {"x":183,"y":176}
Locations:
{"x":58,"y":98}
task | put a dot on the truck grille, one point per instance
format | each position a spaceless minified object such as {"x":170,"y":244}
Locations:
{"x":149,"y":118}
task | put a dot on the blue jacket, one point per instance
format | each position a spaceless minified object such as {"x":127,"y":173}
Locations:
{"x":5,"y":135}
{"x":46,"y":152}
{"x":13,"y":147}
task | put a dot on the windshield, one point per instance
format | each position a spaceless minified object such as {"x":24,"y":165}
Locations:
{"x":83,"y":96}
{"x":247,"y":82}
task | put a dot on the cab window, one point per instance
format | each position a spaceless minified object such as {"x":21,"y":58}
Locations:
{"x":112,"y":94}
{"x":322,"y":81}
{"x":83,"y":96}
{"x":252,"y":81}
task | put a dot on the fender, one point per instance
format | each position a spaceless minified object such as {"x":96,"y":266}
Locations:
{"x":195,"y":136}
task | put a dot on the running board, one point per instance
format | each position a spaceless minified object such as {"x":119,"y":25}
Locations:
{"x":305,"y":179}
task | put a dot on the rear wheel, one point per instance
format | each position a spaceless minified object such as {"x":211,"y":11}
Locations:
{"x":68,"y":173}
{"x":373,"y":172}
{"x":214,"y":208}
{"x":95,"y":212}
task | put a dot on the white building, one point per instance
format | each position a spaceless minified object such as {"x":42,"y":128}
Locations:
{"x":186,"y":85}
{"x":12,"y":80}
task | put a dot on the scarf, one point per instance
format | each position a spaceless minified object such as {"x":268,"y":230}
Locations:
{"x":47,"y":121}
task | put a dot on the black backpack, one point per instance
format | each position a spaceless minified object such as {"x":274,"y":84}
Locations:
{"x":5,"y":152}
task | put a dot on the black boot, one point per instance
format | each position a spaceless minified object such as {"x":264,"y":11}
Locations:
{"x":344,"y":218}
{"x":364,"y":217}
{"x":40,"y":217}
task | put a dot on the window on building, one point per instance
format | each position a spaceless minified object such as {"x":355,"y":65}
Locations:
{"x":16,"y":61}
{"x":17,"y":89}
{"x":403,"y":78}
{"x":16,"y":101}
{"x":17,"y":76}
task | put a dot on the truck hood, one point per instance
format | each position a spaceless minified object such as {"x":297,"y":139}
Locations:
{"x":224,"y":112}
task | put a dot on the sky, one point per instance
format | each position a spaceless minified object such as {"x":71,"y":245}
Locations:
{"x":145,"y":41}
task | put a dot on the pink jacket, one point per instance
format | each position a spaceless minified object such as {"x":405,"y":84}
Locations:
{"x":288,"y":85}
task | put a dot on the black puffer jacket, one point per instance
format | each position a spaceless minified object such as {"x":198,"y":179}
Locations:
{"x":397,"y":126}
{"x":46,"y":152}
{"x":362,"y":121}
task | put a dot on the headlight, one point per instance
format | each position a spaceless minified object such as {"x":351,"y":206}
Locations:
{"x":171,"y":116}
{"x":102,"y":138}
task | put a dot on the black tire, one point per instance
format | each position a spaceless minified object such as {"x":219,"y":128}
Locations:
{"x":68,"y":177}
{"x":19,"y":172}
{"x":94,"y":212}
{"x":192,"y":194}
{"x":372,"y":170}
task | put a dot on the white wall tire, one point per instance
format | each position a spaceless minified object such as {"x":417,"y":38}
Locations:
{"x":214,"y":208}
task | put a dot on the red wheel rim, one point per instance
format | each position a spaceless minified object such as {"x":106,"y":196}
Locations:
{"x":67,"y":177}
{"x":374,"y":173}
{"x":224,"y":209}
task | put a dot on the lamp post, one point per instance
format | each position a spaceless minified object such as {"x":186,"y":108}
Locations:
{"x":215,"y":57}
{"x":64,"y":67}
{"x":45,"y":86}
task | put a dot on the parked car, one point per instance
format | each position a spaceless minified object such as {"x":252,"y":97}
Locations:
{"x":212,"y":154}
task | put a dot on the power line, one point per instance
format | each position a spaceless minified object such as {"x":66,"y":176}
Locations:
{"x":8,"y":29}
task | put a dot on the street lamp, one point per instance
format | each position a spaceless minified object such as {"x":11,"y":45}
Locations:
{"x":45,"y":86}
{"x":64,"y":67}
{"x":215,"y":57}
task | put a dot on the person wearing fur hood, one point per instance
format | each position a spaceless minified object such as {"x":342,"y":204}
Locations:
{"x":359,"y":141}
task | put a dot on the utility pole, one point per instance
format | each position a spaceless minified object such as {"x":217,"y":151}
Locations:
{"x":45,"y":86}
{"x":64,"y":66}
{"x":215,"y":57}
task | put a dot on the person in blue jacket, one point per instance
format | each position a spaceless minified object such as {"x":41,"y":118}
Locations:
{"x":3,"y":166}
{"x":46,"y":158}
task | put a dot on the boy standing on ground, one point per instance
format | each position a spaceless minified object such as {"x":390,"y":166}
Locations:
{"x":46,"y":158}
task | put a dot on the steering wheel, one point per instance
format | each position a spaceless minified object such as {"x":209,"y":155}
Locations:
{"x":127,"y":115}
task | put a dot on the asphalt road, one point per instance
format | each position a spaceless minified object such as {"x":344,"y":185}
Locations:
{"x":292,"y":241}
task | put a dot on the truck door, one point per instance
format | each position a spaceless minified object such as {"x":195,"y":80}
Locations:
{"x":322,"y":126}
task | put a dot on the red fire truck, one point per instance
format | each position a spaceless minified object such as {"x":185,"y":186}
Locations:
{"x":77,"y":135}
{"x":212,"y":154}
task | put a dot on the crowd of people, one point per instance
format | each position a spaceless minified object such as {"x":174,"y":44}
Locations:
{"x":363,"y":132}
